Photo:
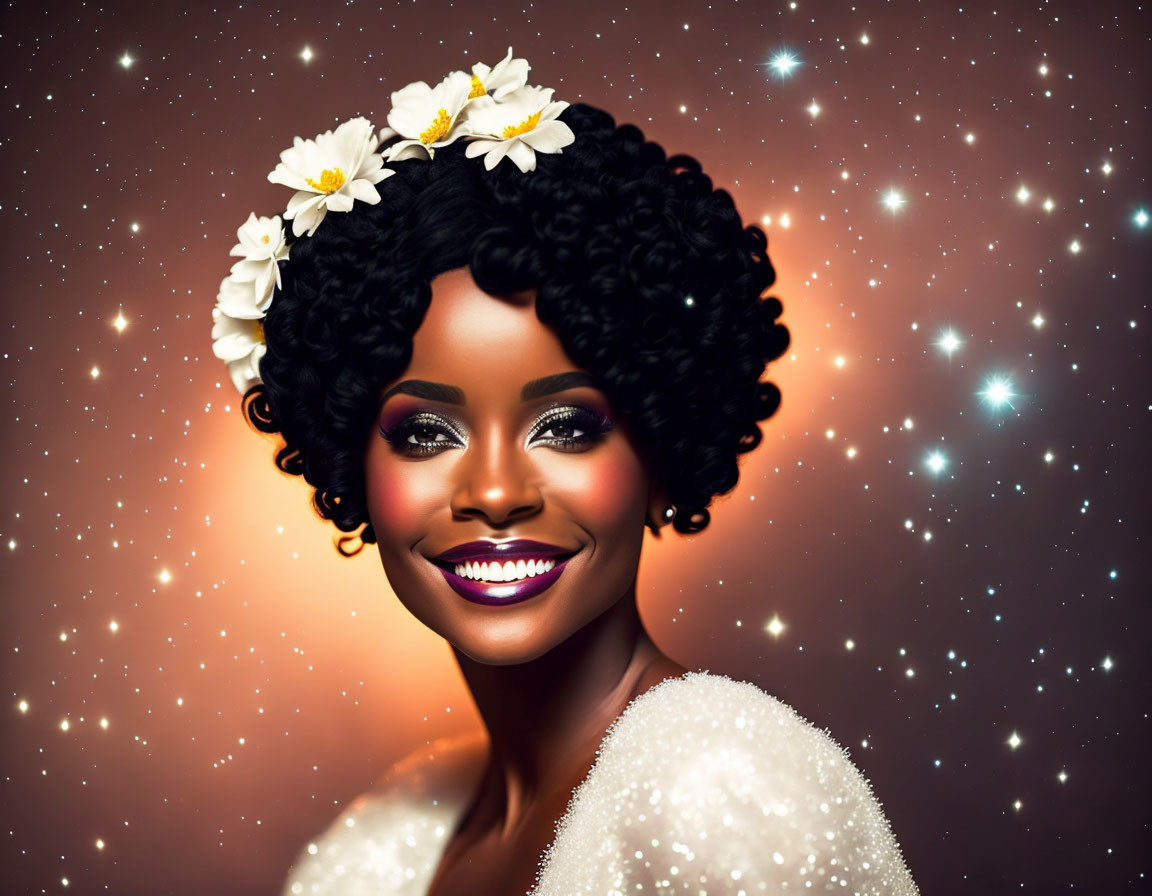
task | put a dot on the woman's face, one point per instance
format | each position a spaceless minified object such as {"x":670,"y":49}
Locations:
{"x":491,"y":435}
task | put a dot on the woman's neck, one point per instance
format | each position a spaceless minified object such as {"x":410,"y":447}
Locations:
{"x":546,"y":718}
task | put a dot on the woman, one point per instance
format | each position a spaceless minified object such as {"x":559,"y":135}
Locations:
{"x":500,"y":373}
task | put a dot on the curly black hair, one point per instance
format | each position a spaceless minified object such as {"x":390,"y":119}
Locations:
{"x":642,"y":269}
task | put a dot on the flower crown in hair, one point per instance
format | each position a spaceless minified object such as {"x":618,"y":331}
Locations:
{"x":493,"y":109}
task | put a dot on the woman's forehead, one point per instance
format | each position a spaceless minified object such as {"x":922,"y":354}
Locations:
{"x":470,"y":334}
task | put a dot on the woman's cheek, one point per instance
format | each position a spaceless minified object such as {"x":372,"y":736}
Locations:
{"x":402,"y":498}
{"x":604,"y":488}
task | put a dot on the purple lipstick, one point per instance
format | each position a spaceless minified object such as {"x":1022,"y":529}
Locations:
{"x":498,"y":573}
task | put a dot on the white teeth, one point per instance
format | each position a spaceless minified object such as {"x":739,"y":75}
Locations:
{"x":509,"y":571}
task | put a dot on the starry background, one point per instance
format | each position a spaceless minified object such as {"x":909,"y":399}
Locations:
{"x":939,"y":552}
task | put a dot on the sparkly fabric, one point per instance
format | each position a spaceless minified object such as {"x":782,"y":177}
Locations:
{"x":703,"y":785}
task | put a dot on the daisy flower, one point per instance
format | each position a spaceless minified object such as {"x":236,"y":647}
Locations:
{"x":239,"y":343}
{"x":426,"y":117}
{"x":500,"y":80}
{"x":261,"y":247}
{"x":519,"y":126}
{"x":329,"y":173}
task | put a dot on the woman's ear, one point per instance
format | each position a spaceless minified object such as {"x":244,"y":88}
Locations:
{"x":658,"y":505}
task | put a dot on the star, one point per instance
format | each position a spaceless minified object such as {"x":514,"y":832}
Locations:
{"x":998,"y":392}
{"x":774,"y":627}
{"x":949,"y":342}
{"x":783,"y":63}
{"x":1014,"y":741}
{"x":126,"y":61}
{"x":936,"y":461}
{"x":893,"y":200}
{"x":1140,"y":218}
{"x":814,"y":109}
{"x":306,"y":54}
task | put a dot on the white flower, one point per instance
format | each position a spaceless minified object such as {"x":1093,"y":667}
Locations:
{"x":262,"y":246}
{"x":237,"y":299}
{"x":240,"y":343}
{"x":509,"y":74}
{"x":330,"y":172}
{"x":427,"y":117}
{"x":523,"y":124}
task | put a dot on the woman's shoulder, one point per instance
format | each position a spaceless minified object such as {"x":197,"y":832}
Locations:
{"x":715,"y":779}
{"x":390,"y":838}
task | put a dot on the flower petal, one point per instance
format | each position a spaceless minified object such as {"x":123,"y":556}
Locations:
{"x":363,"y":190}
{"x":521,"y":153}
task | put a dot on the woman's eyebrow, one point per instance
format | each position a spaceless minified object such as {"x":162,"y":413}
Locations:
{"x":558,"y":382}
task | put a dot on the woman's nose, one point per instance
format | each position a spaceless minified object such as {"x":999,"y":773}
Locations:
{"x":496,"y":481}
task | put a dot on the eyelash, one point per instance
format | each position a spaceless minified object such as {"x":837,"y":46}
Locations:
{"x":593,"y":426}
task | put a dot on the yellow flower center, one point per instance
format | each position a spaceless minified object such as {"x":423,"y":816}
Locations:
{"x":523,"y":128}
{"x":265,"y":239}
{"x":478,"y":88}
{"x":437,"y":129}
{"x":258,"y":330}
{"x":331,"y":180}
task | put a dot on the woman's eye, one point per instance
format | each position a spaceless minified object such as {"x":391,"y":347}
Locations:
{"x":420,"y":436}
{"x":571,"y":429}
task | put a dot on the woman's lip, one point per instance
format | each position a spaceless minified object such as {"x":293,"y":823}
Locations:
{"x":516,"y":549}
{"x":501,"y":593}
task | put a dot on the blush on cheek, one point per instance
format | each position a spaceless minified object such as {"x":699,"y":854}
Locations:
{"x":400,"y":497}
{"x":608,"y":489}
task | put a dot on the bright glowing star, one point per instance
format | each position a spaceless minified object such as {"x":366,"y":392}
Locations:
{"x":783,"y":63}
{"x":11,"y":544}
{"x":830,"y":433}
{"x":1106,"y":664}
{"x":99,"y":844}
{"x":1106,"y":168}
{"x":95,"y":372}
{"x":1038,"y":320}
{"x":849,"y":644}
{"x":1014,"y":741}
{"x":851,"y":452}
{"x":936,"y":462}
{"x":927,"y":536}
{"x":64,"y":726}
{"x":22,"y":706}
{"x":839,"y":362}
{"x":63,"y":636}
{"x":893,"y":201}
{"x":864,"y":39}
{"x":843,"y":175}
{"x":785,"y":220}
{"x":814,"y":109}
{"x":949,"y":342}
{"x":1062,"y":777}
{"x":1049,"y":204}
{"x":766,"y":220}
{"x":135,"y":227}
{"x":909,"y":672}
{"x":120,"y":323}
{"x":104,"y":724}
{"x":1018,"y":805}
{"x":1074,"y":247}
{"x":179,"y":701}
{"x":113,"y":626}
{"x":998,"y":392}
{"x":1140,"y":219}
{"x":306,"y":54}
{"x":908,"y":524}
{"x":1112,"y":573}
{"x":165,"y":576}
{"x":683,"y":109}
{"x":1022,"y":194}
{"x":1049,"y":457}
{"x":126,"y":61}
{"x":907,"y":422}
{"x":1043,"y":69}
{"x":969,"y":138}
{"x":774,"y":627}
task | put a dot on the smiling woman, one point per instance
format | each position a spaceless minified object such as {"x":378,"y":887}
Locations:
{"x":500,"y":374}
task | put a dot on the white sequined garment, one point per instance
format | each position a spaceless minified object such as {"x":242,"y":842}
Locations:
{"x":703,"y":785}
